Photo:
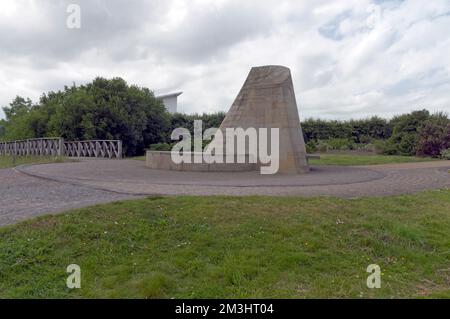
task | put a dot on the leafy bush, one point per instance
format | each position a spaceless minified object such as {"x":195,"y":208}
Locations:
{"x":340,"y":144}
{"x":102,"y":109}
{"x":359,"y":131}
{"x":2,"y":129}
{"x":334,"y":144}
{"x":434,"y":136}
{"x":405,"y":133}
{"x":160,"y":147}
{"x":369,"y":147}
{"x":187,"y":121}
{"x":379,"y":146}
{"x":311,"y":147}
{"x":375,"y":146}
{"x":445,"y":154}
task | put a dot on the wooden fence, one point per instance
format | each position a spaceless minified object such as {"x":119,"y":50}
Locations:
{"x":58,"y":147}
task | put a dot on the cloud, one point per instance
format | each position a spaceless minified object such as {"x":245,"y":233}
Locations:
{"x":351,"y":58}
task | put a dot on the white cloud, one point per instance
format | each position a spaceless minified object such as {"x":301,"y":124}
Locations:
{"x":348,"y":58}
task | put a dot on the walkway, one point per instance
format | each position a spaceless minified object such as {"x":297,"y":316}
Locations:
{"x":132,"y":177}
{"x":49,"y":188}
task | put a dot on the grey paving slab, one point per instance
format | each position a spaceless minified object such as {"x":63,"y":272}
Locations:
{"x":50,"y":188}
{"x":23,"y":196}
{"x":132,"y":177}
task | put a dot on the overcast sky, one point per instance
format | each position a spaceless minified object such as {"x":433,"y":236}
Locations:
{"x":348,"y":58}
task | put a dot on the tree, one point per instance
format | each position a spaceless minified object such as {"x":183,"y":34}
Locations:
{"x":102,"y":109}
{"x":405,"y":132}
{"x":2,"y":128}
{"x":17,"y":116}
{"x":108,"y":109}
{"x":434,"y":136}
{"x":18,"y":107}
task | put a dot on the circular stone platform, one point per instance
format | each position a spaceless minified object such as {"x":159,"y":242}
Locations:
{"x":132,"y":177}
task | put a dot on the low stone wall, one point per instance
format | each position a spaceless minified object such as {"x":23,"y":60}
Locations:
{"x":162,"y":160}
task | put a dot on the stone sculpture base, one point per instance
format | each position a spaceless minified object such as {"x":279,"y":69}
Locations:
{"x":266,"y":100}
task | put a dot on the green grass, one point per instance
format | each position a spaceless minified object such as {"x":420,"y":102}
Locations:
{"x":234,"y":247}
{"x":354,"y":159}
{"x":9,"y":161}
{"x":359,"y":159}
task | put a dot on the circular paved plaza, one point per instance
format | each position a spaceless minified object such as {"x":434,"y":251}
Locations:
{"x":23,"y":196}
{"x":133,"y":178}
{"x":48,"y":188}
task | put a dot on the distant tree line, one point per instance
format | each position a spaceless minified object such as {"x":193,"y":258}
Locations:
{"x":112,"y":109}
{"x":358,"y":131}
{"x":416,"y":133}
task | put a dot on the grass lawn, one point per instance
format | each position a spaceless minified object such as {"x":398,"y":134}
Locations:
{"x":354,"y":159}
{"x":234,"y":247}
{"x":139,"y":158}
{"x":359,"y":159}
{"x":9,"y":161}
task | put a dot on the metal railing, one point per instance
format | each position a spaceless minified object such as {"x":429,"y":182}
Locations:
{"x":94,"y":148}
{"x":36,"y":147}
{"x":58,"y":147}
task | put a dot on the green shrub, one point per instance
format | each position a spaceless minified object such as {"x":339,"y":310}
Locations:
{"x":405,"y":133}
{"x":364,"y":140}
{"x":101,"y":109}
{"x":335,"y":144}
{"x":311,"y":147}
{"x":369,"y":147}
{"x":380,"y":146}
{"x":321,"y":146}
{"x":445,"y":154}
{"x":359,"y":131}
{"x":340,"y":144}
{"x":160,"y":147}
{"x":434,"y":136}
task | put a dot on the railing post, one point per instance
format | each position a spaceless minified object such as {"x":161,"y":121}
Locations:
{"x":14,"y":153}
{"x":119,"y":149}
{"x":61,"y":147}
